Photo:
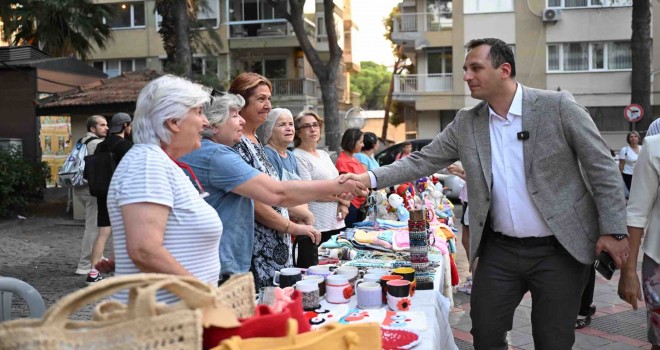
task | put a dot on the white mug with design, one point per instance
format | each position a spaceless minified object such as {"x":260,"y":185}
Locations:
{"x":337,"y":289}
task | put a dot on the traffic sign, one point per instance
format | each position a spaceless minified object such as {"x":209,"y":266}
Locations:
{"x":633,"y":112}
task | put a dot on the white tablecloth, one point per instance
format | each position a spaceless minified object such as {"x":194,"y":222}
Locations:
{"x":435,"y":306}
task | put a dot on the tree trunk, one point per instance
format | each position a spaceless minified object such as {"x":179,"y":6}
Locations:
{"x":182,"y":28}
{"x":641,"y":61}
{"x":388,"y":100}
{"x":166,"y":31}
{"x":333,"y":127}
{"x":326,"y":72}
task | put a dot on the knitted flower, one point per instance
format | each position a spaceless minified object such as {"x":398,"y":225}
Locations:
{"x":348,"y":292}
{"x":403,"y":304}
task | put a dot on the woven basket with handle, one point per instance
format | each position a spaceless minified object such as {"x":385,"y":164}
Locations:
{"x":141,"y":324}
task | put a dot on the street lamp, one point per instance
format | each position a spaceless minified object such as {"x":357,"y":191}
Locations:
{"x":355,"y":118}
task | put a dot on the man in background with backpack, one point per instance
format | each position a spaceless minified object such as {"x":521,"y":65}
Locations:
{"x":97,"y":129}
{"x":116,"y":144}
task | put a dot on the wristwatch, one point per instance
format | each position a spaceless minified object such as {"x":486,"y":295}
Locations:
{"x":619,"y":237}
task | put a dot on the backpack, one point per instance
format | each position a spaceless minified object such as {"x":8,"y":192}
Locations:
{"x":71,"y":173}
{"x":99,"y":169}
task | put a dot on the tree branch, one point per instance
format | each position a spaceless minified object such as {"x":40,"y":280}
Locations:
{"x":297,"y":21}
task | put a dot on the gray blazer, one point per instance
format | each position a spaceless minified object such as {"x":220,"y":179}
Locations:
{"x":562,"y":136}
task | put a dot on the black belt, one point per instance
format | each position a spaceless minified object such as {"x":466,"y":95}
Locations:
{"x":526,"y":241}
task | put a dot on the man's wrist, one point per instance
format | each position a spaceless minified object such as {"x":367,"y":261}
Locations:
{"x":619,"y":236}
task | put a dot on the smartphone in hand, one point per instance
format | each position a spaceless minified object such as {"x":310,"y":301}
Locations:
{"x":605,"y":265}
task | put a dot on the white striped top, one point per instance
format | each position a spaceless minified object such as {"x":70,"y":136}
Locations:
{"x":319,"y":168}
{"x":192,"y":236}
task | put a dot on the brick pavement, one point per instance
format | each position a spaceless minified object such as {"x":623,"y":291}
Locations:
{"x":43,"y":251}
{"x":615,"y":326}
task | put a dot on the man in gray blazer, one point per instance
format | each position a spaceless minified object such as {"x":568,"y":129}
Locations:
{"x":535,"y":223}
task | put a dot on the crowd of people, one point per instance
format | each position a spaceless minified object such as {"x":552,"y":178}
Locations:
{"x":209,"y":188}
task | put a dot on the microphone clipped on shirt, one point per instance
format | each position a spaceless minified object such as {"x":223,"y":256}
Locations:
{"x":523,"y":135}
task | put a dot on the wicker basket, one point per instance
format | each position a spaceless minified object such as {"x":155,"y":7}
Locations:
{"x":238,"y":295}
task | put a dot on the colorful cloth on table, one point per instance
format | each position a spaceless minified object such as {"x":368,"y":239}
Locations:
{"x":454,"y":271}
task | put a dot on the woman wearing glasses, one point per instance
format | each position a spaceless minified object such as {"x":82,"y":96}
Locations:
{"x":272,"y":227}
{"x":315,"y":164}
{"x":233,"y":184}
{"x":160,"y":220}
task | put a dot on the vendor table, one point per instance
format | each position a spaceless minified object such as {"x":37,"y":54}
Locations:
{"x":438,"y":334}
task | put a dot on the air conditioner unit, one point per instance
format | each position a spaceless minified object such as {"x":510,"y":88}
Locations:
{"x":551,"y":15}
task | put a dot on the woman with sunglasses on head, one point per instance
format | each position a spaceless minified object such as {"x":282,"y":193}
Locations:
{"x":160,"y":220}
{"x":233,"y":184}
{"x":315,"y":164}
{"x":272,"y":227}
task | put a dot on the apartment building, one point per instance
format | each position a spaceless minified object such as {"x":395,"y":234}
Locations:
{"x":252,"y":35}
{"x":582,"y":46}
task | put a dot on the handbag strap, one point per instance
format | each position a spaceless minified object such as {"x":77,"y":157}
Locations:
{"x":193,"y":292}
{"x":59,"y":313}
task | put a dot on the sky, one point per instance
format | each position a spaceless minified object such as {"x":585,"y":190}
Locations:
{"x":370,"y":45}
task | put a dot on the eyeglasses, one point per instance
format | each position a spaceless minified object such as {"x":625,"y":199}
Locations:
{"x":310,"y":126}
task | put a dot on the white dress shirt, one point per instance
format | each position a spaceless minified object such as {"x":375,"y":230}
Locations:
{"x":512,"y":210}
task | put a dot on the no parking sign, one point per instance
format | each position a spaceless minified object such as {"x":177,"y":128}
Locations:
{"x":633,"y":112}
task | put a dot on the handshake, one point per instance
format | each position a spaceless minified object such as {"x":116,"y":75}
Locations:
{"x":353,"y":185}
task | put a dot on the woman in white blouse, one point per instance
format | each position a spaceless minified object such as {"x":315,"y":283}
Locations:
{"x":628,"y":157}
{"x":644,"y":213}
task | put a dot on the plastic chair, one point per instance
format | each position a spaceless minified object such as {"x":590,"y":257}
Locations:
{"x":9,"y":286}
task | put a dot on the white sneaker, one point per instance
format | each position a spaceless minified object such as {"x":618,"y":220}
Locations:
{"x":81,"y":271}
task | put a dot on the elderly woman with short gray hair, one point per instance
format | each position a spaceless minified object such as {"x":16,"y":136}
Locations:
{"x":159,"y":220}
{"x":233,"y":184}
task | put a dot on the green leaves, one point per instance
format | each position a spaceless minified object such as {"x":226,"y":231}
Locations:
{"x":20,"y":180}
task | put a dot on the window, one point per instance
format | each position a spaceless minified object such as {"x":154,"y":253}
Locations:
{"x":588,"y":3}
{"x":207,"y":16}
{"x":482,"y":6}
{"x":439,"y":61}
{"x":127,"y":15}
{"x":271,"y":68}
{"x":205,"y":65}
{"x":251,"y":10}
{"x":598,"y":56}
{"x":114,"y":68}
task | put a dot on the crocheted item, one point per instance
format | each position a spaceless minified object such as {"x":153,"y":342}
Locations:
{"x":397,"y":338}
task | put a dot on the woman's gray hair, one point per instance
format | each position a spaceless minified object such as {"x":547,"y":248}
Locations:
{"x":164,"y":98}
{"x":217,"y":111}
{"x":265,"y":131}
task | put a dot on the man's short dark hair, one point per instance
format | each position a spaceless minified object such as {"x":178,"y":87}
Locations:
{"x":500,"y":52}
{"x":350,"y":139}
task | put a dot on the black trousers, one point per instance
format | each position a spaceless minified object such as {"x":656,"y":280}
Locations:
{"x":508,"y":268}
{"x":588,"y":294}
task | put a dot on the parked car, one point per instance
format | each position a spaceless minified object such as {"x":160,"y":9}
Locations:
{"x":453,"y":183}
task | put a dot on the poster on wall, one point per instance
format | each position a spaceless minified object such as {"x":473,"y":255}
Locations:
{"x":55,"y":140}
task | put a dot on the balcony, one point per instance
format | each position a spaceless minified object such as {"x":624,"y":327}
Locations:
{"x":415,"y":84}
{"x":423,"y":22}
{"x":268,"y":28}
{"x":294,"y":87}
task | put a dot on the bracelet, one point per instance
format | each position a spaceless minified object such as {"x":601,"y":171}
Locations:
{"x":286,"y":229}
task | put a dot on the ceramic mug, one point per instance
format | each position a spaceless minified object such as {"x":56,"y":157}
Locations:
{"x":383,"y":284}
{"x":287,"y":277}
{"x":368,"y":278}
{"x":369,"y":295}
{"x":337,"y":289}
{"x":310,"y":294}
{"x":319,"y":270}
{"x":398,"y":295}
{"x":349,"y":271}
{"x":408,"y":274}
{"x":320,"y":280}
